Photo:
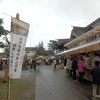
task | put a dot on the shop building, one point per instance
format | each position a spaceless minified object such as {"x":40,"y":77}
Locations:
{"x":85,"y":40}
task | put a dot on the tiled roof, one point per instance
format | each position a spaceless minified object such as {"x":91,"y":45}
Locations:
{"x":77,"y":31}
{"x":63,"y":40}
{"x":2,"y":53}
{"x":30,"y":49}
{"x":94,"y":22}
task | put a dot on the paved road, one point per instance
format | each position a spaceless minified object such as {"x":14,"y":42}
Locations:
{"x":54,"y":85}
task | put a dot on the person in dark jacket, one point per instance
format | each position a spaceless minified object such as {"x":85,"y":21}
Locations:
{"x":0,"y":64}
{"x":74,"y":68}
{"x":95,"y":72}
{"x":34,"y":64}
{"x":65,"y":61}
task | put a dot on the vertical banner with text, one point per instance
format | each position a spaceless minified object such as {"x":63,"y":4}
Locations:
{"x":19,"y":33}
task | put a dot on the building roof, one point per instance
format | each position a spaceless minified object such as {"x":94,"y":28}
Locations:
{"x":2,"y":52}
{"x":84,"y":36}
{"x":30,"y":48}
{"x":63,"y":41}
{"x":78,"y":31}
{"x":94,"y":22}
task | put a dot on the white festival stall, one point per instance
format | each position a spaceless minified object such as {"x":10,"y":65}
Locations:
{"x":91,"y":46}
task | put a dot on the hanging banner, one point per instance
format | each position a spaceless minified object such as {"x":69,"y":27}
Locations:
{"x":19,"y":33}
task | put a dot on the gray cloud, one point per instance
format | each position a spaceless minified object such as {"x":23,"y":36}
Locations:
{"x":51,"y":18}
{"x":75,"y":9}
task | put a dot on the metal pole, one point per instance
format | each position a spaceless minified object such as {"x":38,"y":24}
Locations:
{"x":8,"y":92}
{"x":8,"y":97}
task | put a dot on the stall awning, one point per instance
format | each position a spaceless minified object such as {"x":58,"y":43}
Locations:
{"x":84,"y":48}
{"x":86,"y":35}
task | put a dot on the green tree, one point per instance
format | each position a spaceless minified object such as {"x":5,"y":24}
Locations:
{"x":5,"y":44}
{"x":1,"y":32}
{"x":53,"y":45}
{"x":40,"y":49}
{"x":1,"y":27}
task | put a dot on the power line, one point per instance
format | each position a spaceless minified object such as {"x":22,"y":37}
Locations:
{"x":6,"y":14}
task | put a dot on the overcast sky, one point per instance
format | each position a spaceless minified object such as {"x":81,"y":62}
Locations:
{"x":50,"y":19}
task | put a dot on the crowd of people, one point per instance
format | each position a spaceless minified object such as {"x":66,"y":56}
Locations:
{"x":71,"y":65}
{"x":32,"y":64}
{"x":76,"y":65}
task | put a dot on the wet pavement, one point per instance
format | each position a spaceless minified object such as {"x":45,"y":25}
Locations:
{"x":55,"y":85}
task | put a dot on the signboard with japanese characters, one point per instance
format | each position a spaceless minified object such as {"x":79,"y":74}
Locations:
{"x":19,"y":32}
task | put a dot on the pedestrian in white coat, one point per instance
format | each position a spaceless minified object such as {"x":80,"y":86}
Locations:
{"x":69,"y":66}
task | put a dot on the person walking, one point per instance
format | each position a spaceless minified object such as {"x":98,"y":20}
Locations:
{"x":55,"y":63}
{"x":30,"y":64}
{"x":3,"y":63}
{"x":6,"y":71}
{"x":65,"y":61}
{"x":35,"y":65}
{"x":27,"y":64}
{"x":95,"y":72}
{"x":81,"y":69}
{"x":68,"y":66}
{"x":60,"y":62}
{"x":74,"y":67}
{"x":0,"y":63}
{"x":38,"y":65}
